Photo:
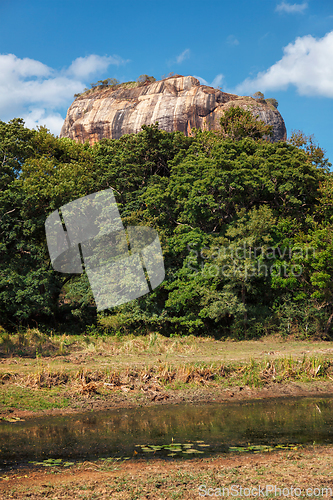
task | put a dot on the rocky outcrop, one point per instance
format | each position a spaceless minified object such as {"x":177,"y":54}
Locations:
{"x":176,"y":103}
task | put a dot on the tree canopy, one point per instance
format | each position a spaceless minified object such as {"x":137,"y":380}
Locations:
{"x":245,"y":226}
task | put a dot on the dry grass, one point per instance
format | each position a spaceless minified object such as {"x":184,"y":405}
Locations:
{"x":177,"y":479}
{"x":46,"y":378}
{"x":33,"y":343}
{"x":152,"y":344}
{"x":257,"y":374}
{"x":27,"y":343}
{"x":152,"y":365}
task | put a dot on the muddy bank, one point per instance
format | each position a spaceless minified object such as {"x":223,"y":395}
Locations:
{"x":150,"y":397}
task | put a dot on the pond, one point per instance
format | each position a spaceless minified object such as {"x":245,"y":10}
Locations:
{"x":169,"y":431}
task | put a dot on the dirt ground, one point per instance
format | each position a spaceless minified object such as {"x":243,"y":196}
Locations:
{"x":305,"y":472}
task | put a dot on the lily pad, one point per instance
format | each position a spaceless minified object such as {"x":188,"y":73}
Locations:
{"x":174,"y":448}
{"x":256,"y":448}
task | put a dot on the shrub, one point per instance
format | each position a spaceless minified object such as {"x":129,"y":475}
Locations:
{"x":273,"y":101}
{"x":146,"y":78}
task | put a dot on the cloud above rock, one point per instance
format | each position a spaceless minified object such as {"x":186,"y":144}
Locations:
{"x":307,"y":64}
{"x":35,"y":92}
{"x":184,"y":55}
{"x":215,"y":83}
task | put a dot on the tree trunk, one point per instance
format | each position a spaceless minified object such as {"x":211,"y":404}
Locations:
{"x":328,"y":324}
{"x":245,"y":312}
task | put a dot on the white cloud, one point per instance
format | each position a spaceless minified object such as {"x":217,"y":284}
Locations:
{"x":86,"y":66}
{"x":201,"y":80}
{"x":215,"y":83}
{"x":184,"y":55}
{"x":307,"y":64}
{"x":31,"y":90}
{"x":10,"y":64}
{"x":40,"y":117}
{"x":291,"y":8}
{"x":232,"y":40}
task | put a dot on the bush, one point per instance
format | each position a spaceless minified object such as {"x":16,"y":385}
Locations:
{"x":146,"y":78}
{"x":258,"y":95}
{"x":272,"y":101}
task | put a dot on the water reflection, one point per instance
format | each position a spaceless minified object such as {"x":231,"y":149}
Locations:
{"x":116,"y":432}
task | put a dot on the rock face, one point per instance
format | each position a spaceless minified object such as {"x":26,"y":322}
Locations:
{"x":176,"y":103}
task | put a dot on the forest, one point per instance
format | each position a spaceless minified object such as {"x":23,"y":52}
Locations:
{"x":245,"y":227}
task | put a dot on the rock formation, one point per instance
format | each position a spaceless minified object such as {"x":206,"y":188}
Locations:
{"x":176,"y":103}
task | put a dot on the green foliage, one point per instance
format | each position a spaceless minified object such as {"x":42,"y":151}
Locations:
{"x":238,"y":123}
{"x":307,"y":143}
{"x":313,"y":255}
{"x":236,"y":214}
{"x":15,"y":147}
{"x":146,"y":78}
{"x":108,"y":82}
{"x":259,"y":95}
{"x":272,"y":101}
{"x":101,"y":84}
{"x":113,"y":83}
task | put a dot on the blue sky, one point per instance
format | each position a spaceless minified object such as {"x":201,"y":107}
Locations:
{"x":50,"y":50}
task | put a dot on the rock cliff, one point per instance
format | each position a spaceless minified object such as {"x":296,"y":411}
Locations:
{"x":176,"y":103}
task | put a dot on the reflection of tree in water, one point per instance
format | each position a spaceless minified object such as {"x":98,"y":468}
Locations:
{"x":116,"y":432}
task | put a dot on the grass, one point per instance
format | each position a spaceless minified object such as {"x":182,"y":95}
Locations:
{"x":25,"y":398}
{"x":252,"y":373}
{"x":41,"y":371}
{"x":181,"y":478}
{"x":33,"y":342}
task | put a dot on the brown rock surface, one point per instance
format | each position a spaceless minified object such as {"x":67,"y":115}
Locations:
{"x":176,"y":103}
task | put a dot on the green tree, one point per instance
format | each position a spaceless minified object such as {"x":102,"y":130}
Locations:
{"x":145,"y":78}
{"x":307,"y":279}
{"x":209,"y":196}
{"x":307,"y":143}
{"x":238,"y":123}
{"x":259,"y":96}
{"x":272,"y":101}
{"x":46,"y":172}
{"x":15,"y":148}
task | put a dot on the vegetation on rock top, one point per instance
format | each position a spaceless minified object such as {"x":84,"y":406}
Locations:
{"x":113,"y":84}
